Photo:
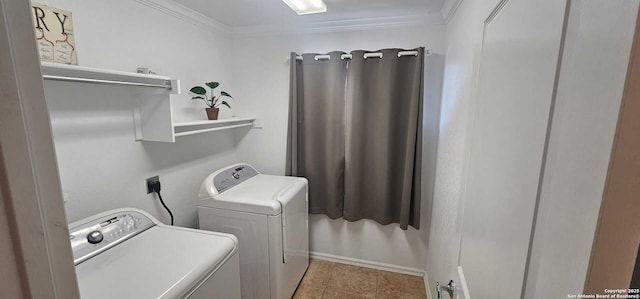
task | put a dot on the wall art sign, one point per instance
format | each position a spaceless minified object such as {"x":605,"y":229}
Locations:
{"x":54,"y":34}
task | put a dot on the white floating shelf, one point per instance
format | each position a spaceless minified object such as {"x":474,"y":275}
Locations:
{"x":152,"y":113}
{"x":157,"y":125}
{"x":74,"y":73}
{"x":197,"y":127}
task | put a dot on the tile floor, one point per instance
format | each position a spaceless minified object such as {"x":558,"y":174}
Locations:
{"x":327,"y":280}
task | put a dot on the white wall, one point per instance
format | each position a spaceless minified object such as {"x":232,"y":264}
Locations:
{"x":591,"y":84}
{"x":101,"y":164}
{"x":463,"y":44}
{"x":262,"y":67}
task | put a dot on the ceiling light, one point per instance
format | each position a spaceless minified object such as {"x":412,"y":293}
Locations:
{"x":305,"y":7}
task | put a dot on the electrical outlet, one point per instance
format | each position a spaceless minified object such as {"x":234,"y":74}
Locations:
{"x":151,"y":180}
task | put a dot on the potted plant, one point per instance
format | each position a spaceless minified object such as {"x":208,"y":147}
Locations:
{"x":212,"y":101}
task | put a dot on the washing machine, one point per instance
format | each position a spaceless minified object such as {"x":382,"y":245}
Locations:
{"x":269,"y":216}
{"x":126,"y":253}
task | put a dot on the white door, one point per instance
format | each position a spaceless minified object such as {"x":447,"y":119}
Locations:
{"x":518,"y":66}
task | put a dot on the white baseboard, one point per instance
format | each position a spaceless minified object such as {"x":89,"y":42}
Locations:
{"x":367,"y":264}
{"x":427,"y":285}
{"x":463,"y":285}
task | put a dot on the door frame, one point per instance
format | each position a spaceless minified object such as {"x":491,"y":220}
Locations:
{"x":615,"y":244}
{"x":33,"y":218}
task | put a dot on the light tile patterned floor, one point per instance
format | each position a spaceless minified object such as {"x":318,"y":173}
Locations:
{"x":327,"y":280}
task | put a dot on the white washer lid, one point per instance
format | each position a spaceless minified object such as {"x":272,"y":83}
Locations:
{"x":161,"y":262}
{"x":260,"y":194}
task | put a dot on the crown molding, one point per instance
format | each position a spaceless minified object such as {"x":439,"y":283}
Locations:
{"x":190,"y":16}
{"x":362,"y":24}
{"x":449,"y":9}
{"x":186,"y":14}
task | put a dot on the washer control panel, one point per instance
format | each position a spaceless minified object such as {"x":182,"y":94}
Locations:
{"x":233,"y":176}
{"x":97,"y":235}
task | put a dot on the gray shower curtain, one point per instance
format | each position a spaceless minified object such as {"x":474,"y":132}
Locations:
{"x":316,"y":130}
{"x":355,"y":132}
{"x":384,"y":138}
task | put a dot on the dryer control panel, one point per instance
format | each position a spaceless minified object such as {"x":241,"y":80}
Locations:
{"x":99,"y":234}
{"x":233,"y":176}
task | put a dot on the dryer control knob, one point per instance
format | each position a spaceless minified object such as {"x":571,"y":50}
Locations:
{"x":95,"y":237}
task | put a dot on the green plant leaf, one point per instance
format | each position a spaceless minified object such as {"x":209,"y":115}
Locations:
{"x":226,"y":94}
{"x":198,"y":98}
{"x":226,"y":104}
{"x":212,"y":85}
{"x":198,"y":90}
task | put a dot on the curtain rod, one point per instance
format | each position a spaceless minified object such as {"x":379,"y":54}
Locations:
{"x":368,"y":55}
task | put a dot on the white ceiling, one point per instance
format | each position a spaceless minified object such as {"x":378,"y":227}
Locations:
{"x":241,"y":13}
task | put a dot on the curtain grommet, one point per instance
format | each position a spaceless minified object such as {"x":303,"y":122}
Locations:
{"x":407,"y":53}
{"x":322,"y":57}
{"x":368,"y":55}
